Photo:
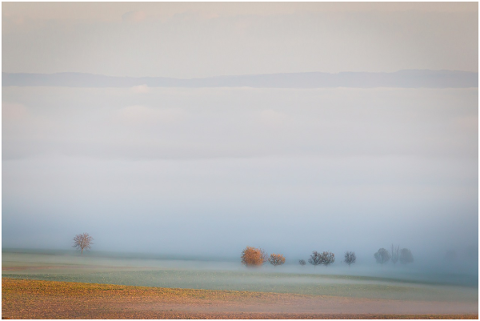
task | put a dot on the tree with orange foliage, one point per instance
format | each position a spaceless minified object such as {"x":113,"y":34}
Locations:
{"x":252,"y":256}
{"x":276,"y":259}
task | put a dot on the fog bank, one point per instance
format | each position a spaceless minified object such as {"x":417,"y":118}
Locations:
{"x":210,"y":171}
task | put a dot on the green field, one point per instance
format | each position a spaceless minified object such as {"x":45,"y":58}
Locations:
{"x":224,"y":276}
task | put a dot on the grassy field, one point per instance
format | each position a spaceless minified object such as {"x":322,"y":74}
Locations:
{"x":93,"y":281}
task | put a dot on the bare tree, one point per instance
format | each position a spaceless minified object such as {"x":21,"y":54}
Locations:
{"x":276,"y":259}
{"x":327,"y":258}
{"x":395,"y":254}
{"x":264,"y":255}
{"x":252,"y":256}
{"x":405,"y":256}
{"x":382,"y":256}
{"x":315,"y":259}
{"x":350,"y":258}
{"x":324,"y":258}
{"x":302,"y":262}
{"x":82,"y":241}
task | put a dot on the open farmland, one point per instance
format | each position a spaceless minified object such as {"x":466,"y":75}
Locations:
{"x":93,"y":287}
{"x":50,"y":299}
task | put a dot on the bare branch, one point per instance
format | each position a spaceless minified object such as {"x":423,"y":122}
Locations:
{"x":350,"y":258}
{"x":82,"y":242}
{"x":276,"y":259}
{"x":324,"y":258}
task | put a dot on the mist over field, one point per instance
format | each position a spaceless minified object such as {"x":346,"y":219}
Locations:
{"x":178,"y":134}
{"x":206,"y":172}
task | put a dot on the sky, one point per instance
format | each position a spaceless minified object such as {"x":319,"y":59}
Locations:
{"x":185,"y":40}
{"x":209,"y":171}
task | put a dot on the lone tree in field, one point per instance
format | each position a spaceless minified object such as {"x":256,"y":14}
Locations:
{"x":82,"y":241}
{"x":302,"y":262}
{"x":315,"y":259}
{"x":327,"y":258}
{"x":276,"y":259}
{"x":405,"y":256}
{"x":395,"y":254}
{"x":350,"y":258}
{"x":382,"y":256}
{"x":252,"y":256}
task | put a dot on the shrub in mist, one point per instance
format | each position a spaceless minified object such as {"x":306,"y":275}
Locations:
{"x":350,"y":258}
{"x":382,"y":256}
{"x":324,"y":258}
{"x":315,"y":259}
{"x":327,"y":258}
{"x":405,"y":256}
{"x":252,"y":256}
{"x":276,"y":259}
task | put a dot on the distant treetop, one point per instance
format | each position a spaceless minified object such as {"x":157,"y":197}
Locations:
{"x":82,"y":241}
{"x":252,"y":256}
{"x":382,"y":256}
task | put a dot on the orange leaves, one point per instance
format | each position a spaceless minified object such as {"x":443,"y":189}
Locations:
{"x":276,"y":259}
{"x":252,"y":256}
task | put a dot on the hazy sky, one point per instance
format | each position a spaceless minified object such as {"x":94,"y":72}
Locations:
{"x":197,"y":40}
{"x":212,"y":170}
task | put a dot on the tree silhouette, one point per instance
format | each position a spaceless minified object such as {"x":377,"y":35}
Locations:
{"x":315,"y":259}
{"x":350,"y":258}
{"x":82,"y":241}
{"x":382,"y":256}
{"x":405,"y":256}
{"x":324,"y":258}
{"x":276,"y":259}
{"x":395,"y":254}
{"x":327,"y":258}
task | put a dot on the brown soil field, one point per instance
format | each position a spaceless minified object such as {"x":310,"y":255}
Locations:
{"x":33,"y":299}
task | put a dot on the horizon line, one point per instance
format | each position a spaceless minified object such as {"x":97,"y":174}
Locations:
{"x":241,"y":75}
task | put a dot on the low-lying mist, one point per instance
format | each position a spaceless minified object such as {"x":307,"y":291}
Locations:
{"x":432,"y":272}
{"x":203,"y":173}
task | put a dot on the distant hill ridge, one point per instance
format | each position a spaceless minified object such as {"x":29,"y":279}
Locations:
{"x":399,"y":79}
